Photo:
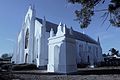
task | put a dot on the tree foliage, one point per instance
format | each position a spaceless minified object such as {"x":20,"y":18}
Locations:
{"x":114,"y":51}
{"x":6,"y":56}
{"x":87,"y":10}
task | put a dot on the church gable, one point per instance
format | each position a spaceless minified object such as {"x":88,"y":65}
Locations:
{"x":30,"y":13}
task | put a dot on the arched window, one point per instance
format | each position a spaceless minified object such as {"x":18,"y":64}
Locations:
{"x":26,"y":39}
{"x":37,"y":49}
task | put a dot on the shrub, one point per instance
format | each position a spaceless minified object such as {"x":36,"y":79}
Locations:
{"x":24,"y":67}
{"x":6,"y":67}
{"x":82,"y":65}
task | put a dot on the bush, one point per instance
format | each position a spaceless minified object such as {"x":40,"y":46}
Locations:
{"x":101,"y":64}
{"x":24,"y":67}
{"x":82,"y":65}
{"x":6,"y":66}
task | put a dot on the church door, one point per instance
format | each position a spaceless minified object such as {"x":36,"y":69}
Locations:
{"x":26,"y":56}
{"x":88,"y":60}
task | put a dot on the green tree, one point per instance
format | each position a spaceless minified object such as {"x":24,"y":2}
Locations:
{"x":104,"y":55}
{"x":87,"y":10}
{"x":114,"y":51}
{"x":6,"y":56}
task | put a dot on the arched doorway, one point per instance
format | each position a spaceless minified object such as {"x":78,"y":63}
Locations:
{"x":26,"y":57}
{"x":56,"y":57}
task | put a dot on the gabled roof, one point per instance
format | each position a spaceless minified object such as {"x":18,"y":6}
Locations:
{"x":49,"y":25}
{"x":76,"y":35}
{"x":80,"y":36}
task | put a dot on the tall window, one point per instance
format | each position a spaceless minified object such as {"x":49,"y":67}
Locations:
{"x":26,"y":39}
{"x":37,"y":48}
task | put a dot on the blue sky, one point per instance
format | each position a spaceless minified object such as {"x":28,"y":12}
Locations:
{"x":12,"y":14}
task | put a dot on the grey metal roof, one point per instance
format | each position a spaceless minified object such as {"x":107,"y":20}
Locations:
{"x":81,"y":36}
{"x":49,"y":25}
{"x":75,"y":34}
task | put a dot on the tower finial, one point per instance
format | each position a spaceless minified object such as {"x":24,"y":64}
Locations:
{"x":44,"y":18}
{"x":51,"y":32}
{"x":60,"y":24}
{"x":30,"y":6}
{"x":44,"y":21}
{"x":98,"y":40}
{"x":64,"y":29}
{"x":71,"y":30}
{"x":60,"y":29}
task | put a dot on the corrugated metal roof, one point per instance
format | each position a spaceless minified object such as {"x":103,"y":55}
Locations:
{"x":75,"y":34}
{"x":49,"y":25}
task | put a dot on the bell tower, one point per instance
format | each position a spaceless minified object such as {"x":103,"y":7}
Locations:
{"x":29,"y":28}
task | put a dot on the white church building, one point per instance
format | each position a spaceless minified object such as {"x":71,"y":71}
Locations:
{"x":58,"y":47}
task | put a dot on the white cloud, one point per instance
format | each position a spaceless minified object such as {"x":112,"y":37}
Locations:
{"x":11,"y":40}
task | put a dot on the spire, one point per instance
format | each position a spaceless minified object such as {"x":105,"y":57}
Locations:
{"x":43,"y":25}
{"x":64,"y":28}
{"x":31,"y":13}
{"x":33,"y":9}
{"x":44,"y":18}
{"x":30,"y":7}
{"x":44,"y":21}
{"x":60,"y":29}
{"x":71,"y":30}
{"x":60,"y":24}
{"x":98,"y":40}
{"x":51,"y":32}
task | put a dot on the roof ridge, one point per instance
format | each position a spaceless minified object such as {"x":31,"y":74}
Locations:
{"x":76,"y":35}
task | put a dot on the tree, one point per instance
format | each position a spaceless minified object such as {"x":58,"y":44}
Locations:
{"x":87,"y":10}
{"x":114,"y":52}
{"x":6,"y":56}
{"x":104,"y":55}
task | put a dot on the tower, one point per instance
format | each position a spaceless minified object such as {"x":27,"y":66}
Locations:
{"x":29,"y":28}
